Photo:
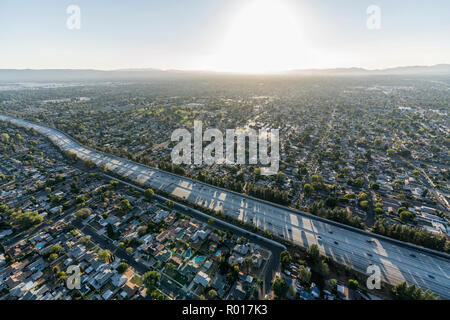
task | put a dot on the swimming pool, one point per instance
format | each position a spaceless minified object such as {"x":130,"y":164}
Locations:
{"x":40,"y":245}
{"x":218,"y":252}
{"x":188,"y":252}
{"x":199,"y":259}
{"x":180,"y":235}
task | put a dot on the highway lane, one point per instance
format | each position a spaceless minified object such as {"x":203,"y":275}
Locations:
{"x":345,"y":245}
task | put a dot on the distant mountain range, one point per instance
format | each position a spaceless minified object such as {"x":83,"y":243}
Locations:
{"x":17,"y":75}
{"x":438,"y":69}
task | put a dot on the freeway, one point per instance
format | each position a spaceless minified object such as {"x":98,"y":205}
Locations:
{"x":398,"y":261}
{"x":274,"y":247}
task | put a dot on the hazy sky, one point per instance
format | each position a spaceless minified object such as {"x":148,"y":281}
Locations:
{"x":225,"y":35}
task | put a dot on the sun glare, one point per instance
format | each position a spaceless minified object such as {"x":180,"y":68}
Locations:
{"x":265,"y":37}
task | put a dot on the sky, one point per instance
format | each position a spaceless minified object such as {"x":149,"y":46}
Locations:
{"x":249,"y":36}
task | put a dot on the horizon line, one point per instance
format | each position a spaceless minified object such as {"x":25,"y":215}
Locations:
{"x":143,"y":69}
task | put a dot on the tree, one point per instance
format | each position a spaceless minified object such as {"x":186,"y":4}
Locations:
{"x":377,"y":143}
{"x":304,"y":276}
{"x":27,"y":219}
{"x":111,"y":233}
{"x":151,"y":279}
{"x":170,"y":267}
{"x":412,"y":234}
{"x":280,"y":288}
{"x":331,"y":202}
{"x":53,"y":257}
{"x":390,"y":152}
{"x":403,"y":291}
{"x":169,"y":203}
{"x":149,"y":193}
{"x":233,"y":275}
{"x":379,"y":211}
{"x":85,"y":240}
{"x":280,"y":178}
{"x":105,"y":255}
{"x":307,"y":189}
{"x":317,"y":178}
{"x":83,"y":213}
{"x":322,"y":268}
{"x":212,"y":294}
{"x":364,"y":204}
{"x":89,"y":163}
{"x":333,"y":285}
{"x":125,"y":205}
{"x":56,"y":248}
{"x":358,"y":182}
{"x":353,"y":284}
{"x":285,"y":259}
{"x":80,"y":199}
{"x":113,"y":183}
{"x":313,"y":253}
{"x":407,"y":216}
{"x":142,"y":230}
{"x":123,"y":266}
{"x":5,"y":138}
{"x":374,"y":186}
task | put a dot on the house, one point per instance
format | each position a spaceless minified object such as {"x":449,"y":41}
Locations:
{"x":101,"y":278}
{"x":304,"y":295}
{"x":315,"y":292}
{"x":41,"y":292}
{"x":68,"y":261}
{"x":347,"y":293}
{"x":214,"y":237}
{"x":238,"y":292}
{"x":5,"y":233}
{"x":89,"y":257}
{"x":17,"y":278}
{"x":130,"y":289}
{"x":176,"y":260}
{"x":2,"y":260}
{"x":147,"y":238}
{"x":98,"y":265}
{"x":162,"y":214}
{"x":29,"y":296}
{"x":77,"y":252}
{"x":55,"y":209}
{"x":257,"y":260}
{"x":207,"y":265}
{"x":89,"y":270}
{"x":189,"y":268}
{"x":235,"y":259}
{"x":219,"y":282}
{"x":202,"y":279}
{"x":19,"y":290}
{"x":164,"y":255}
{"x":36,"y":276}
{"x":200,"y":234}
{"x":241,"y":248}
{"x":107,"y":295}
{"x":110,"y":220}
{"x":119,"y":280}
{"x":162,"y":236}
